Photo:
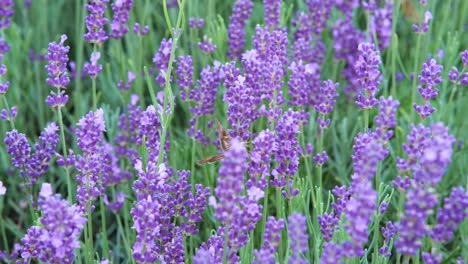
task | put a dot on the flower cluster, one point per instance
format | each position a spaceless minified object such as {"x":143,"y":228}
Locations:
{"x":57,"y":237}
{"x":118,"y":25}
{"x":57,"y":59}
{"x":93,"y":68}
{"x":6,"y":12}
{"x":95,"y":21}
{"x":367,"y":75}
{"x":272,"y":13}
{"x":161,"y":61}
{"x":184,"y":75}
{"x":297,"y":232}
{"x":271,"y":239}
{"x":241,"y":11}
{"x":430,"y":77}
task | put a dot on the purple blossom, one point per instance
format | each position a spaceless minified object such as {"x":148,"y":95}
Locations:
{"x":95,"y":21}
{"x":207,"y":45}
{"x":332,"y":253}
{"x":319,"y":14}
{"x":386,"y":119}
{"x":39,"y":161}
{"x":57,"y":59}
{"x":18,"y":148}
{"x":149,"y":131}
{"x":93,"y":68}
{"x":117,"y":204}
{"x":271,"y":238}
{"x":304,"y":84}
{"x":184,"y":75}
{"x":260,"y":158}
{"x":196,"y":23}
{"x":241,"y":12}
{"x":346,"y":39}
{"x":57,"y":237}
{"x":287,"y":129}
{"x":424,"y":27}
{"x":297,"y":233}
{"x":212,"y":251}
{"x":328,"y":222}
{"x":118,"y":25}
{"x":450,"y":215}
{"x":161,"y":61}
{"x":140,"y":31}
{"x":57,"y":100}
{"x":453,"y":74}
{"x":381,"y":24}
{"x":430,"y":77}
{"x":6,"y":12}
{"x":321,"y":158}
{"x":238,"y":213}
{"x":2,"y":189}
{"x":429,"y":258}
{"x":272,"y":13}
{"x":130,"y":78}
{"x":464,"y":57}
{"x":367,"y":75}
{"x":5,"y":115}
{"x":412,"y":226}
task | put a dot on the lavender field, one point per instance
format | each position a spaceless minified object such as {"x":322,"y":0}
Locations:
{"x":234,"y":131}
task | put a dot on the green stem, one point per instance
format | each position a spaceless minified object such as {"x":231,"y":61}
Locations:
{"x":89,"y":242}
{"x":64,"y":149}
{"x":105,"y":243}
{"x":2,"y":227}
{"x":5,"y":101}
{"x":415,"y":72}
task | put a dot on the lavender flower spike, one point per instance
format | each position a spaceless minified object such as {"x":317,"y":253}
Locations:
{"x":297,"y":232}
{"x":95,"y":21}
{"x":118,"y":25}
{"x":368,"y":75}
{"x":237,"y":21}
{"x":272,"y":13}
{"x":6,"y":12}
{"x":56,"y":67}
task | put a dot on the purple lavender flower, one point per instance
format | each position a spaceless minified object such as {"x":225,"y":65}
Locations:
{"x":18,"y":148}
{"x":239,"y":214}
{"x":297,"y":233}
{"x":430,"y":77}
{"x":320,"y":158}
{"x":424,"y":25}
{"x":464,"y":79}
{"x":319,"y":14}
{"x":260,"y":158}
{"x":140,"y":31}
{"x":57,"y":59}
{"x":288,"y":148}
{"x":386,"y":119}
{"x":451,"y":215}
{"x":272,"y":13}
{"x":184,"y":75}
{"x":161,"y":61}
{"x":328,"y":223}
{"x":346,"y":39}
{"x":90,"y":140}
{"x":56,"y":239}
{"x":93,"y":68}
{"x":381,"y":24}
{"x":464,"y":57}
{"x":242,"y":109}
{"x":332,"y":253}
{"x":304,"y":84}
{"x":241,"y":12}
{"x":57,"y":100}
{"x":196,"y":23}
{"x":39,"y":161}
{"x":95,"y":21}
{"x":130,"y":78}
{"x":127,"y":136}
{"x":453,"y":74}
{"x":212,"y":251}
{"x":429,"y":258}
{"x":6,"y":12}
{"x":326,"y":99}
{"x":117,"y":204}
{"x":207,"y":46}
{"x":271,"y":239}
{"x":118,"y":25}
{"x":367,"y":75}
{"x":412,"y":226}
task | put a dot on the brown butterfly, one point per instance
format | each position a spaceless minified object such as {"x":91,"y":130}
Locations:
{"x":224,"y":139}
{"x":410,"y":11}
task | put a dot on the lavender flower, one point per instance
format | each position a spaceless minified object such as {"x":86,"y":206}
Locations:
{"x":386,"y":119}
{"x":453,"y":74}
{"x":381,"y":24}
{"x":241,"y":12}
{"x":319,"y":14}
{"x":412,"y":226}
{"x":332,"y":253}
{"x":18,"y":148}
{"x":271,"y":239}
{"x":328,"y":223}
{"x":161,"y":60}
{"x":121,"y":10}
{"x":56,"y":239}
{"x":260,"y":159}
{"x":140,"y":31}
{"x":57,"y":100}
{"x":288,"y":148}
{"x":272,"y":13}
{"x":430,"y":76}
{"x":93,"y":69}
{"x":239,"y":214}
{"x":304,"y":84}
{"x":95,"y":21}
{"x":368,"y":75}
{"x":464,"y":57}
{"x":6,"y":12}
{"x":212,"y":251}
{"x":326,"y":99}
{"x":424,"y":27}
{"x":130,"y":78}
{"x":57,"y":59}
{"x":196,"y":23}
{"x":127,"y":136}
{"x":297,"y":233}
{"x":39,"y":161}
{"x":451,"y":215}
{"x":184,"y":75}
{"x":90,"y":140}
{"x":207,"y":45}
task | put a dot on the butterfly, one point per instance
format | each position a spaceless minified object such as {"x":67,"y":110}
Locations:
{"x":224,"y":139}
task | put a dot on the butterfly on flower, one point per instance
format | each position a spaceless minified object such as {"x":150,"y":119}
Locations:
{"x":224,"y":139}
